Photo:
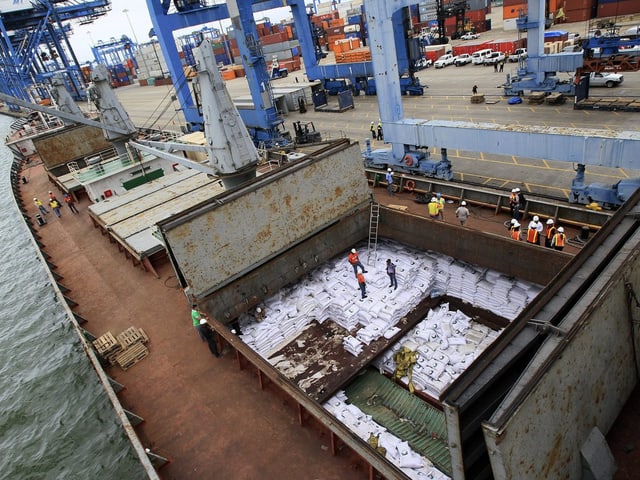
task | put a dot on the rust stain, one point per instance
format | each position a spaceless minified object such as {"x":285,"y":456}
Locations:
{"x":552,"y":458}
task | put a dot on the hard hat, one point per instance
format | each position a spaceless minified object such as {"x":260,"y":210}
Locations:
{"x":517,"y":189}
{"x":202,"y":321}
{"x":560,"y":229}
{"x":353,"y":250}
{"x":513,"y":190}
{"x":371,"y":123}
{"x":34,"y":199}
{"x":550,"y":222}
{"x":516,"y":225}
{"x":434,"y":199}
{"x":258,"y":310}
{"x":513,"y":221}
{"x":438,"y":194}
{"x":536,"y":218}
{"x":463,"y":203}
{"x":389,"y":170}
{"x":50,"y":191}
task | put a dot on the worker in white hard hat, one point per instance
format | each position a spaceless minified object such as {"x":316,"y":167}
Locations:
{"x":534,"y":230}
{"x":361,"y":283}
{"x":389,"y":179}
{"x":434,"y":208}
{"x":514,"y":233}
{"x":514,"y":204}
{"x":462,"y":213}
{"x":354,"y":260}
{"x":372,"y":129}
{"x":559,"y":239}
{"x":40,"y":206}
{"x":549,"y":233}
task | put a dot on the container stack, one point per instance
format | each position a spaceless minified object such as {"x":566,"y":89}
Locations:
{"x":151,"y":63}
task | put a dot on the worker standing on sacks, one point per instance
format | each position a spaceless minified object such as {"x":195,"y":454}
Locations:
{"x":354,"y":260}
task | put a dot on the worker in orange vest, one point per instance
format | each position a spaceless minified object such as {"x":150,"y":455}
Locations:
{"x":549,"y":233}
{"x":559,"y":239}
{"x":515,"y":231}
{"x":354,"y":260}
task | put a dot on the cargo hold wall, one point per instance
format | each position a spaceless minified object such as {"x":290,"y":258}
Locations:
{"x":579,"y":379}
{"x":229,"y":236}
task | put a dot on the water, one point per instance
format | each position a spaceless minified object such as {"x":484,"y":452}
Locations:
{"x":56,"y":422}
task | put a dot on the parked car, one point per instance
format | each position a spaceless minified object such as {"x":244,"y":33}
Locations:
{"x":423,"y":63}
{"x":478,"y":57}
{"x":462,"y":59}
{"x":469,"y":36}
{"x":608,"y":80}
{"x":493,"y":58}
{"x":444,"y":60}
{"x":520,"y":53}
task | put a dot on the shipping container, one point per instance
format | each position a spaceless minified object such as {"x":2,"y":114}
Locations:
{"x":576,"y":4}
{"x":470,"y":47}
{"x":507,"y":45}
{"x":511,"y":3}
{"x":578,"y":15}
{"x":513,"y":11}
{"x":616,"y":8}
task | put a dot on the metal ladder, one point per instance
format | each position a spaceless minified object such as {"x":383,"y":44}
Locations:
{"x":374,"y":218}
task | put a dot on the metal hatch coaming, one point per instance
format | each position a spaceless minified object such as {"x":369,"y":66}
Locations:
{"x":232,"y":234}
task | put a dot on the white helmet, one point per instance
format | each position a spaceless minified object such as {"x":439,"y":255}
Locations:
{"x":536,"y":218}
{"x":434,"y":199}
{"x":389,"y":170}
{"x":35,"y":199}
{"x":258,"y":310}
{"x":353,"y":250}
{"x":550,"y":222}
{"x":463,"y":203}
{"x":560,"y":229}
{"x":513,"y":190}
{"x":513,"y":221}
{"x":516,"y":225}
{"x":517,"y":189}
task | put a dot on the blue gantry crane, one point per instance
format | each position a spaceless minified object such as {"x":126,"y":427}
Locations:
{"x":34,"y":44}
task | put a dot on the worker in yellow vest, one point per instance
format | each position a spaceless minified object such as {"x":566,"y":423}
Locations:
{"x":434,"y":208}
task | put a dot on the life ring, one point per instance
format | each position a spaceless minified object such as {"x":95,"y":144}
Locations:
{"x":410,"y":186}
{"x":408,"y":160}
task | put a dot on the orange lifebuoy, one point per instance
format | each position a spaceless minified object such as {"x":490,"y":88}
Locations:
{"x":410,"y":186}
{"x":408,"y":160}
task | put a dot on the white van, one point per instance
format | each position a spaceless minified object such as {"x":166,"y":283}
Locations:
{"x":477,"y":58}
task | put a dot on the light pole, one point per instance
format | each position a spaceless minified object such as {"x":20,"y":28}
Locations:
{"x":135,"y":39}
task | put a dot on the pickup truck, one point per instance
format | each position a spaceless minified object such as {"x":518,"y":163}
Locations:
{"x":444,"y":60}
{"x":462,"y":59}
{"x":520,"y":53}
{"x":493,"y":58}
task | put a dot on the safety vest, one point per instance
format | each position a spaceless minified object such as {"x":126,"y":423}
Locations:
{"x":434,"y":207}
{"x":551,"y":231}
{"x":532,"y":235}
{"x":515,"y":233}
{"x":514,"y":199}
{"x":353,"y":258}
{"x":360,"y":278}
{"x":440,"y":203}
{"x":559,"y":239}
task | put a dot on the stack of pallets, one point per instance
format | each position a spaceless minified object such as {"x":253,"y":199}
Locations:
{"x":127,"y":349}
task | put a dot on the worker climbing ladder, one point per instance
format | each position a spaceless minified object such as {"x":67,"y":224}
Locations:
{"x":374,"y":217}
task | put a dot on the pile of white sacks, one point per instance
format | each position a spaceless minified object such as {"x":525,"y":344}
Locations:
{"x":398,"y":452}
{"x":447,"y":341}
{"x":331,"y":292}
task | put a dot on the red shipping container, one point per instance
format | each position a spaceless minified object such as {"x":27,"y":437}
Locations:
{"x":577,"y":15}
{"x":576,"y":4}
{"x":435,"y":54}
{"x":510,"y":3}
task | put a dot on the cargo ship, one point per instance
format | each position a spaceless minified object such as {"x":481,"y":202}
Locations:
{"x":516,"y":318}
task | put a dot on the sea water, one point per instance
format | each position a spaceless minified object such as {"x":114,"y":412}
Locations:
{"x":56,"y":421}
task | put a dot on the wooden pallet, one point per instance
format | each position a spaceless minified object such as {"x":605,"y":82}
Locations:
{"x":131,"y":336}
{"x":132,"y":355}
{"x":107,"y":347}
